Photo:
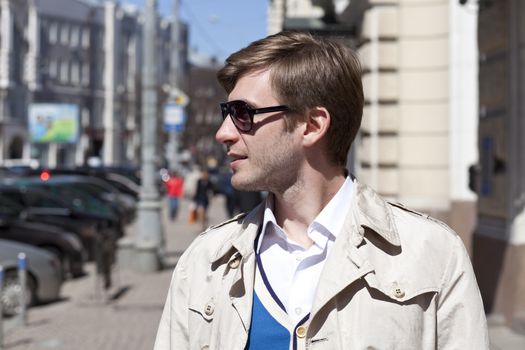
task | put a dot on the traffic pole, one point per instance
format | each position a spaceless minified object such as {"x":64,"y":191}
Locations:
{"x":22,"y":278}
{"x":1,"y":308}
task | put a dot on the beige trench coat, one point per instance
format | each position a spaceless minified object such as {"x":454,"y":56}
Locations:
{"x":395,"y":279}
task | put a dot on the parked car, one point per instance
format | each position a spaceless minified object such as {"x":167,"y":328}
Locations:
{"x":120,"y":182}
{"x":122,"y":204}
{"x":65,"y":245}
{"x":80,"y":200}
{"x":44,"y":276}
{"x":40,"y":205}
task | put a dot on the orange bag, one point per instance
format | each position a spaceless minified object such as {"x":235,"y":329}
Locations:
{"x":192,"y":217}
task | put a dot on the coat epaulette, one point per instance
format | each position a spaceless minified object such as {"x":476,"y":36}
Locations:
{"x":235,"y":218}
{"x":402,"y":207}
{"x":423,"y":215}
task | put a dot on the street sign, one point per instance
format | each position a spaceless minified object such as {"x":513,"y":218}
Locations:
{"x":174,"y":117}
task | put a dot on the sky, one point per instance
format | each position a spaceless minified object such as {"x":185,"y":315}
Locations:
{"x":218,"y":27}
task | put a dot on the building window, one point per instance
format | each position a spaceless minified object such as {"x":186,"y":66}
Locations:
{"x":64,"y":71}
{"x":64,"y":34}
{"x":53,"y":32}
{"x":53,"y":68}
{"x":85,"y":74}
{"x":85,"y":38}
{"x":200,"y":118}
{"x":75,"y":73}
{"x":75,"y":33}
{"x":211,"y":116}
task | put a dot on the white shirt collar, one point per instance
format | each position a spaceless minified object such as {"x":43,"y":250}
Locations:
{"x":326,"y":225}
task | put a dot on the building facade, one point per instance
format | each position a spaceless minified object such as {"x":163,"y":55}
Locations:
{"x":82,"y":52}
{"x":419,"y":126}
{"x":205,"y":119}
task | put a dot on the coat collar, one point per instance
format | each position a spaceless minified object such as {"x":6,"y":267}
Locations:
{"x":243,"y":236}
{"x":369,"y":210}
{"x":375,"y":213}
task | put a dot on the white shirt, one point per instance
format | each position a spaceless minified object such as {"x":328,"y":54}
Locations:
{"x":292,"y":271}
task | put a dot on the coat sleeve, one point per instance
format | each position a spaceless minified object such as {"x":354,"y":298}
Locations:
{"x":173,"y":332}
{"x":461,"y":318}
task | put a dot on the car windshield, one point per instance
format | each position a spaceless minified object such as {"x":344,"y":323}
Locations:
{"x":9,"y":207}
{"x":78,"y":197}
{"x":82,"y":200}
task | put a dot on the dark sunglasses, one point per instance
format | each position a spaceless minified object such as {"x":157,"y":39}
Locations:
{"x":242,"y":114}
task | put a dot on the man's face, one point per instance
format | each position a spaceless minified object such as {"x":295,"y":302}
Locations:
{"x":267,"y":158}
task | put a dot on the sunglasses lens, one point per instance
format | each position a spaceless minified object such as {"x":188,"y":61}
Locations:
{"x":241,"y":115}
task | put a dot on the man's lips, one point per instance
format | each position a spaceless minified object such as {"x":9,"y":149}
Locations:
{"x":235,"y":159}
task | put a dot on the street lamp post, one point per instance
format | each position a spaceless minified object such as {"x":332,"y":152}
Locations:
{"x":149,"y":234}
{"x":172,"y":155}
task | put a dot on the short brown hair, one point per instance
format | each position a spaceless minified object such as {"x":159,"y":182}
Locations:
{"x":306,"y":72}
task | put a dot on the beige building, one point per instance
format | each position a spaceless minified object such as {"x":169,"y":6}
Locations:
{"x":420,"y":78}
{"x":419,"y":125}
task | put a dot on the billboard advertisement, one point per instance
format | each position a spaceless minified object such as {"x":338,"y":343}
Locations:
{"x":53,"y":122}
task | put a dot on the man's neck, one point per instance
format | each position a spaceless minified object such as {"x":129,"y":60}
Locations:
{"x":299,"y":205}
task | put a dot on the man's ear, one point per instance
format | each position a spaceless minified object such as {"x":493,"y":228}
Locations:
{"x":316,"y":125}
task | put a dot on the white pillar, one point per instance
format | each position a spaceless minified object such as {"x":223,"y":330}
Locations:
{"x":463,"y":117}
{"x":52,"y":155}
{"x":33,"y":34}
{"x":6,"y":44}
{"x":110,"y":137}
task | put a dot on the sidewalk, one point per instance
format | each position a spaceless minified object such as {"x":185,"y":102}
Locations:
{"x":82,"y":321}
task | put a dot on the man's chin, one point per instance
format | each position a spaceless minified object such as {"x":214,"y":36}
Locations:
{"x":243,"y":184}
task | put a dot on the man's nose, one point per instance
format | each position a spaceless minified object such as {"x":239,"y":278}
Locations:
{"x":227,"y":132}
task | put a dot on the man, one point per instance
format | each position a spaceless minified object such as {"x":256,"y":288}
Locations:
{"x":324,"y":262}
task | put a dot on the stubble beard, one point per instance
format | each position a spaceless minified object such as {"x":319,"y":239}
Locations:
{"x":275,"y":170}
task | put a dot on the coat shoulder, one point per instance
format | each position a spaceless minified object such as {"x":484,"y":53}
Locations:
{"x":206,"y":244}
{"x":425,"y":238}
{"x":224,"y":224}
{"x":407,"y":218}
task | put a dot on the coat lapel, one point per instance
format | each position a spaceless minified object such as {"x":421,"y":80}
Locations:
{"x":239,"y":280}
{"x":346,"y":263}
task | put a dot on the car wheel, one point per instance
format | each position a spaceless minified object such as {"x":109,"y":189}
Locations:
{"x":12,"y":291}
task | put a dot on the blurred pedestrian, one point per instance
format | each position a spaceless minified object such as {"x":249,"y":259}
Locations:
{"x":202,"y":197}
{"x":174,"y":191}
{"x":225,"y":187}
{"x":190,"y":181}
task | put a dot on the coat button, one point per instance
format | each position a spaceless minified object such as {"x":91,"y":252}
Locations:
{"x":209,"y":308}
{"x":234,"y":263}
{"x":205,"y":347}
{"x":301,"y":331}
{"x":398,"y":292}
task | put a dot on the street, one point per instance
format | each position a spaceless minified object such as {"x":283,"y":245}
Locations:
{"x":127,"y":317}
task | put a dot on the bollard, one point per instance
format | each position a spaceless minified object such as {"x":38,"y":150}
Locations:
{"x":1,"y":308}
{"x":22,"y":277}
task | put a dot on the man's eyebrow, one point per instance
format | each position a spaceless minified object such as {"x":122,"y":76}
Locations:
{"x":250,"y":103}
